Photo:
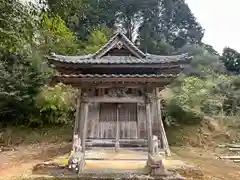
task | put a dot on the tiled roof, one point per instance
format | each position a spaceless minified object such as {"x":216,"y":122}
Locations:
{"x":119,"y":76}
{"x":88,"y":59}
{"x":136,"y":57}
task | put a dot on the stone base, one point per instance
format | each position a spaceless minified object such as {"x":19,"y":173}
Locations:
{"x":116,"y":166}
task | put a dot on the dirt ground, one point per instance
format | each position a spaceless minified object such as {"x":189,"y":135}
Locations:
{"x":18,"y":164}
{"x":208,"y":161}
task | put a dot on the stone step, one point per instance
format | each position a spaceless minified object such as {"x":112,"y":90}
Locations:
{"x":108,"y":169}
{"x":126,"y":176}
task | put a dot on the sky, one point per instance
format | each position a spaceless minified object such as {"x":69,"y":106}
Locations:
{"x":221,"y":21}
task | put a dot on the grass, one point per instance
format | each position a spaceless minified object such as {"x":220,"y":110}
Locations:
{"x":28,"y":136}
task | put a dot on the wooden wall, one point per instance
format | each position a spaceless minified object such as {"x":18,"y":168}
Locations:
{"x":106,"y":128}
{"x":93,"y":121}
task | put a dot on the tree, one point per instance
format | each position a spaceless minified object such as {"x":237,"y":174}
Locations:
{"x":231,"y":59}
{"x":17,"y":27}
{"x":84,"y":15}
{"x":160,"y":25}
{"x":22,"y":70}
{"x":171,"y":21}
{"x":56,"y":37}
{"x":98,"y":38}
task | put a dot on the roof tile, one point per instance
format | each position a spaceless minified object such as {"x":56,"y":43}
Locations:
{"x":88,"y":59}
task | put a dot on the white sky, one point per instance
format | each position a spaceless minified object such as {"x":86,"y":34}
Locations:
{"x":221,"y":21}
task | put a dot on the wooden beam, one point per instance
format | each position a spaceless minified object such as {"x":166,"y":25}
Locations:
{"x":84,"y":129}
{"x":114,"y":99}
{"x":162,"y":129}
{"x":123,"y":80}
{"x":149,"y":127}
{"x":142,"y":65}
{"x":108,"y":83}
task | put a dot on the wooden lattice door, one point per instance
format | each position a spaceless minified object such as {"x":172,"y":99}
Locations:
{"x":128,"y":121}
{"x":108,"y":120}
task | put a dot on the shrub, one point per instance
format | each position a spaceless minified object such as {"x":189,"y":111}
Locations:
{"x":194,"y":98}
{"x":56,"y":105}
{"x":21,"y":79}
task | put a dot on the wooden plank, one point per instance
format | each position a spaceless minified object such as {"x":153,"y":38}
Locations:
{"x":229,"y":146}
{"x":149,"y":127}
{"x":233,"y":145}
{"x":120,"y":140}
{"x":230,"y":157}
{"x":114,"y":99}
{"x":234,"y":149}
{"x":162,"y":129}
{"x":129,"y":143}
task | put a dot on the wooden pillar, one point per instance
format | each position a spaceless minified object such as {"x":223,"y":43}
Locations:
{"x":84,"y":128}
{"x":149,"y":127}
{"x":117,"y":146}
{"x":162,"y":130}
{"x":77,"y":116}
{"x":138,"y":121}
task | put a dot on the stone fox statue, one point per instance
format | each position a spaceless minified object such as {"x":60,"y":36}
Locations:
{"x":77,"y":143}
{"x":76,"y":158}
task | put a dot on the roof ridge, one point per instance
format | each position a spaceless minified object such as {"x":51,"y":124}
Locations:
{"x":109,"y":43}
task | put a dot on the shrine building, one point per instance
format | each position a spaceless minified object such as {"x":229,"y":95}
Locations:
{"x":118,"y":102}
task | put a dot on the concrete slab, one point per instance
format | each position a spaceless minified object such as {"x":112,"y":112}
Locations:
{"x":111,"y":154}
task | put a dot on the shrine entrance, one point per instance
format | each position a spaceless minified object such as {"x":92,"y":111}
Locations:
{"x":122,"y":116}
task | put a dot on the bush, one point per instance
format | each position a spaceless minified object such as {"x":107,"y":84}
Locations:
{"x":56,"y":105}
{"x":177,"y":114}
{"x":194,"y":98}
{"x":21,"y":78}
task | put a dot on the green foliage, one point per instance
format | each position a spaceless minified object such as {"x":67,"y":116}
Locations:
{"x":83,"y":16}
{"x":161,"y":24}
{"x":171,"y":21}
{"x":20,"y":82}
{"x":17,"y":27}
{"x":231,"y":59}
{"x":25,"y":38}
{"x":98,"y":38}
{"x":214,"y":95}
{"x":57,"y":37}
{"x":56,"y":105}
